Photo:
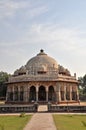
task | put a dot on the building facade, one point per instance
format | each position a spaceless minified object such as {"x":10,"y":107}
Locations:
{"x":42,"y":79}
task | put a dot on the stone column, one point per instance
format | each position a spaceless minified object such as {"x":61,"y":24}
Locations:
{"x":47,"y":94}
{"x":13,"y":94}
{"x":58,"y":94}
{"x":37,"y":89}
{"x":77,"y":93}
{"x":7,"y":95}
{"x":25,"y":94}
{"x":70,"y":93}
{"x":28,"y":93}
{"x":18,"y":93}
{"x":64,"y":93}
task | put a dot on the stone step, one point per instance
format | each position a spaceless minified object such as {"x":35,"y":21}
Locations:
{"x":42,"y":108}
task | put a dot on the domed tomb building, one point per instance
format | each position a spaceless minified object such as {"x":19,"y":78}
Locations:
{"x":42,"y":80}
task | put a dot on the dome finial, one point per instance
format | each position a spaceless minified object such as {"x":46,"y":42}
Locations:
{"x":41,"y":50}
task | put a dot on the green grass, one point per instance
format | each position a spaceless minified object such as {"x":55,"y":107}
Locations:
{"x":13,"y":122}
{"x":70,"y":122}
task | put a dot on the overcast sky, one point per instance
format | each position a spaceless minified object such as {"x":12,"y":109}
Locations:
{"x":57,"y":26}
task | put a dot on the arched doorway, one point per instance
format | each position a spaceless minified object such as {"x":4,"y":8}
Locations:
{"x":32,"y":94}
{"x":42,"y":94}
{"x":51,"y":94}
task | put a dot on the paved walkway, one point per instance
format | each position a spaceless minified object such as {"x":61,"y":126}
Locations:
{"x":41,"y":121}
{"x":42,"y":108}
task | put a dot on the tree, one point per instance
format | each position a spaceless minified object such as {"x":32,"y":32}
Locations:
{"x":3,"y":86}
{"x":82,"y":83}
{"x":82,"y":87}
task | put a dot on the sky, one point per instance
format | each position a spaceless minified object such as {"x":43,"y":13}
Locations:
{"x":56,"y":26}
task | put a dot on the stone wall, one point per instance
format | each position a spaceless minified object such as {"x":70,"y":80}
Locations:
{"x":68,"y":108}
{"x":18,"y":108}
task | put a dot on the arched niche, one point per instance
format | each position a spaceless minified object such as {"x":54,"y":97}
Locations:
{"x":42,"y":93}
{"x":32,"y":94}
{"x":51,"y":93}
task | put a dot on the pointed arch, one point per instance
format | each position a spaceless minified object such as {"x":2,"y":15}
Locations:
{"x":42,"y":93}
{"x":32,"y":94}
{"x":51,"y":93}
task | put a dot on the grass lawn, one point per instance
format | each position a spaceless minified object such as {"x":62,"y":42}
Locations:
{"x":70,"y":122}
{"x":13,"y":122}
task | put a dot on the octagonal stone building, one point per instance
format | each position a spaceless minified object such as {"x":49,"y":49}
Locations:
{"x":42,"y":80}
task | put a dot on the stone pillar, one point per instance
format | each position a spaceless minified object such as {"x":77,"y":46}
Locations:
{"x":77,"y":93}
{"x":7,"y":95}
{"x":25,"y":94}
{"x":13,"y":94}
{"x":58,"y":94}
{"x":36,"y":96}
{"x":64,"y":93}
{"x":18,"y":93}
{"x":28,"y":93}
{"x":47,"y":94}
{"x":37,"y":93}
{"x":70,"y":93}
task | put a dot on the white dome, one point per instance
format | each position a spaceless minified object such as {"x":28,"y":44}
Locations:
{"x":42,"y":62}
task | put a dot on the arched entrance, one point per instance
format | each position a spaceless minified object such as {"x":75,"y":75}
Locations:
{"x":42,"y":94}
{"x":51,"y":94}
{"x":32,"y":94}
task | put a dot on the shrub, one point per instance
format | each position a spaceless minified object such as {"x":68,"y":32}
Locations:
{"x":22,"y":114}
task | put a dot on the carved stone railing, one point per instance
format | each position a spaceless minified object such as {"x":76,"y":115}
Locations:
{"x":32,"y":78}
{"x":56,"y":77}
{"x":68,"y":108}
{"x":18,"y":108}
